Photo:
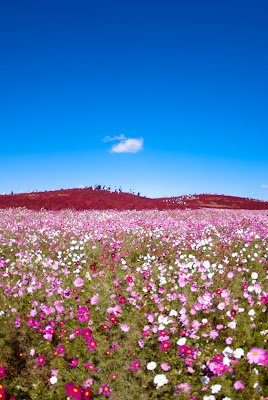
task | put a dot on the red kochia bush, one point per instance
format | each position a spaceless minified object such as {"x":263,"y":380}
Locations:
{"x":84,"y":199}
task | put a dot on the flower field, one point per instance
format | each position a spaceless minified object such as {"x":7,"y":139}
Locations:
{"x":133,"y":304}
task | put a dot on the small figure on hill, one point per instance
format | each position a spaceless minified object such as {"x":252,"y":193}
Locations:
{"x":120,"y":189}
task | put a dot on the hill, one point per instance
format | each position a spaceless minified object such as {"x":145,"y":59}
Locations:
{"x":86,"y":199}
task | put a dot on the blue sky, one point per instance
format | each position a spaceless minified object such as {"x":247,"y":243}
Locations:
{"x":165,"y":97}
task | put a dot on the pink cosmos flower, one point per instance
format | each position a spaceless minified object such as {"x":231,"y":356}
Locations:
{"x":255,"y":355}
{"x":88,"y":382}
{"x":78,"y":282}
{"x":221,"y":305}
{"x":125,"y":327}
{"x":150,"y":318}
{"x":229,"y":340}
{"x":32,"y":352}
{"x":239,"y":385}
{"x":94,"y":299}
{"x":165,"y":366}
{"x":185,"y":387}
{"x":213,"y":334}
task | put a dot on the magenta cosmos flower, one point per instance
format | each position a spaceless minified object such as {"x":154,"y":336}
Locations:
{"x":2,"y":391}
{"x":40,"y":360}
{"x":2,"y":372}
{"x":105,"y":390}
{"x":165,"y":346}
{"x":78,"y":282}
{"x":74,"y":392}
{"x":256,"y":355}
{"x":73,"y":362}
{"x":91,"y":367}
{"x":113,"y":319}
{"x":87,"y":393}
{"x":86,"y":332}
{"x":92,"y":344}
{"x":135,"y":365}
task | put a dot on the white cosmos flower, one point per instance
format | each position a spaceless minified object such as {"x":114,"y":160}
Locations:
{"x":151,"y":366}
{"x":232,"y":325}
{"x":53,"y":380}
{"x":227,"y":351}
{"x":181,"y":341}
{"x":238,"y":353}
{"x":226,"y":361}
{"x":254,"y":275}
{"x":167,"y":320}
{"x":251,"y":312}
{"x":160,"y":380}
{"x":204,"y":379}
{"x":215,"y":388}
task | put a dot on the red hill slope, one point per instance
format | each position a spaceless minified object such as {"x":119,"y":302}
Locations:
{"x":85,"y":199}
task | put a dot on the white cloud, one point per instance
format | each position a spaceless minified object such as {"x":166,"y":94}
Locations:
{"x":264,"y":186}
{"x":128,"y":146}
{"x":110,"y":139}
